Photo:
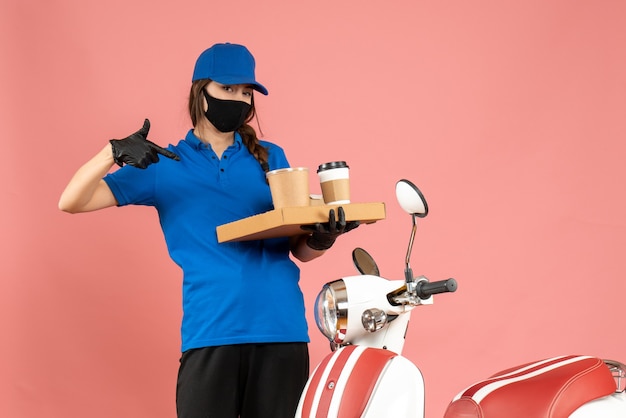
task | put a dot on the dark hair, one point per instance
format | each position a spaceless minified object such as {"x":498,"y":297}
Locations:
{"x":247,"y":132}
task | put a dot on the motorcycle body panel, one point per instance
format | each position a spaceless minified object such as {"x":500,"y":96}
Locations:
{"x":367,"y":292}
{"x":612,"y":406}
{"x":358,"y":381}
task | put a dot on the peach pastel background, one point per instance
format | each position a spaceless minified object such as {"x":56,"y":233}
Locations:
{"x":509,"y":115}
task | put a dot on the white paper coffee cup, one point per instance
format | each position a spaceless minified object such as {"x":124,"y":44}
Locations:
{"x":335,"y":182}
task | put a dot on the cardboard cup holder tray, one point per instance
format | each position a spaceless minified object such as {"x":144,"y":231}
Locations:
{"x":287,"y":221}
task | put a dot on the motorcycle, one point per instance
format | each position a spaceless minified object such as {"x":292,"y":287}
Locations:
{"x":365,"y":319}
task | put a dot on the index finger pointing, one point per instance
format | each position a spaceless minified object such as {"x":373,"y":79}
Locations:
{"x":164,"y":152}
{"x":168,"y":154}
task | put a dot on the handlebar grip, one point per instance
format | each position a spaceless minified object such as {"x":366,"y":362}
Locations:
{"x":427,"y":289}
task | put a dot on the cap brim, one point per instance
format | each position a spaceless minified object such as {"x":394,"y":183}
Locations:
{"x":237,"y":80}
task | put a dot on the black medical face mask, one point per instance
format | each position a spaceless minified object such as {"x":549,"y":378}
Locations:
{"x":226,"y":115}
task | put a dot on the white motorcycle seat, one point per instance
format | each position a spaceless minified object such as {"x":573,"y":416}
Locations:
{"x":552,"y":388}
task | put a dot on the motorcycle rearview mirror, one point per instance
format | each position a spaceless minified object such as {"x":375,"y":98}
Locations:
{"x":412,"y":201}
{"x":364,"y":262}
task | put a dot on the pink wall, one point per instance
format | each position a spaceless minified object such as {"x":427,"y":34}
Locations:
{"x":510,"y":116}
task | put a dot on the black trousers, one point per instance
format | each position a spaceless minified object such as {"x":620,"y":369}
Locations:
{"x":246,"y":380}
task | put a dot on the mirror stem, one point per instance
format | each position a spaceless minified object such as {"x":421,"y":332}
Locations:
{"x":408,"y":273}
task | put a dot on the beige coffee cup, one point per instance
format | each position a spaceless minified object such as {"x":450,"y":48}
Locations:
{"x":335,"y":182}
{"x":289,"y":187}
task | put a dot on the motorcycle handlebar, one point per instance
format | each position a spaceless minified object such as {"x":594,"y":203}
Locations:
{"x":426,"y":289}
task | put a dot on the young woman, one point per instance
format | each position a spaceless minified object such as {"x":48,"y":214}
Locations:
{"x":244,"y":333}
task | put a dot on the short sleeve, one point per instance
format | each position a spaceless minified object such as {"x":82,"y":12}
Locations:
{"x":133,"y":186}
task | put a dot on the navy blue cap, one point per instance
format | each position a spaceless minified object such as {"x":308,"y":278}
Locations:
{"x":227,"y":64}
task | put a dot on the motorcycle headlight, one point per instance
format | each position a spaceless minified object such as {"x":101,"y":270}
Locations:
{"x":331,"y":311}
